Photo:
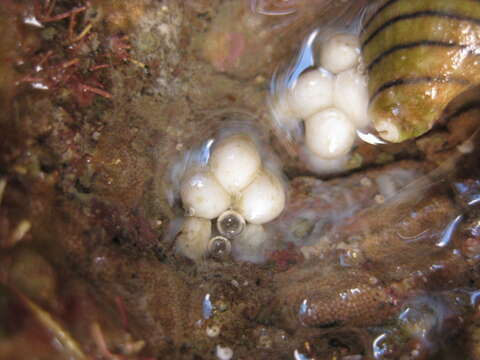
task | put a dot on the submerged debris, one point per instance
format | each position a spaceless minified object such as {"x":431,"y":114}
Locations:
{"x":53,"y":326}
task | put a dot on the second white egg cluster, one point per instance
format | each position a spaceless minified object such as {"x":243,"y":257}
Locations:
{"x":331,"y":99}
{"x":236,"y":191}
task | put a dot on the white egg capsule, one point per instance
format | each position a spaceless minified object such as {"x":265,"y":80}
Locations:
{"x":263,"y":200}
{"x":340,"y":52}
{"x":329,"y":134}
{"x":251,"y":245}
{"x":219,"y":247}
{"x":350,"y":95}
{"x":234,"y":162}
{"x":312,"y":92}
{"x":193,"y":239}
{"x":323,"y":166}
{"x":230,"y":223}
{"x":203,"y":196}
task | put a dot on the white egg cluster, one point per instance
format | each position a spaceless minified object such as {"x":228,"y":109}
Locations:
{"x":331,"y":99}
{"x":235,"y":191}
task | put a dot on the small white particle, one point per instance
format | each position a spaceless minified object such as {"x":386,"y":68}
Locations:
{"x":32,"y":20}
{"x":297,"y":355}
{"x":369,"y":138}
{"x":379,"y":199}
{"x":352,"y":357}
{"x":207,"y":307}
{"x":164,"y":29}
{"x":213,"y":331}
{"x":39,"y":86}
{"x":224,"y":353}
{"x":21,"y":230}
{"x":259,"y":79}
{"x":365,"y":181}
{"x":466,"y":147}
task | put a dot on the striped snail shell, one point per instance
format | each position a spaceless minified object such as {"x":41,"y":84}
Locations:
{"x":419,"y":55}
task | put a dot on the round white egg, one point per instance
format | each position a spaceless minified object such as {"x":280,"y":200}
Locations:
{"x":312,"y":92}
{"x":203,"y":196}
{"x":329,"y":134}
{"x":219,"y":247}
{"x":193,"y":240}
{"x":263,"y":200}
{"x":323,"y":166}
{"x":234,"y":162}
{"x":340,"y":52}
{"x":350,"y":95}
{"x":230,"y":224}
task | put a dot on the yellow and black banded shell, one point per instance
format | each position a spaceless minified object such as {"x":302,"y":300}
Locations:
{"x":419,"y":55}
